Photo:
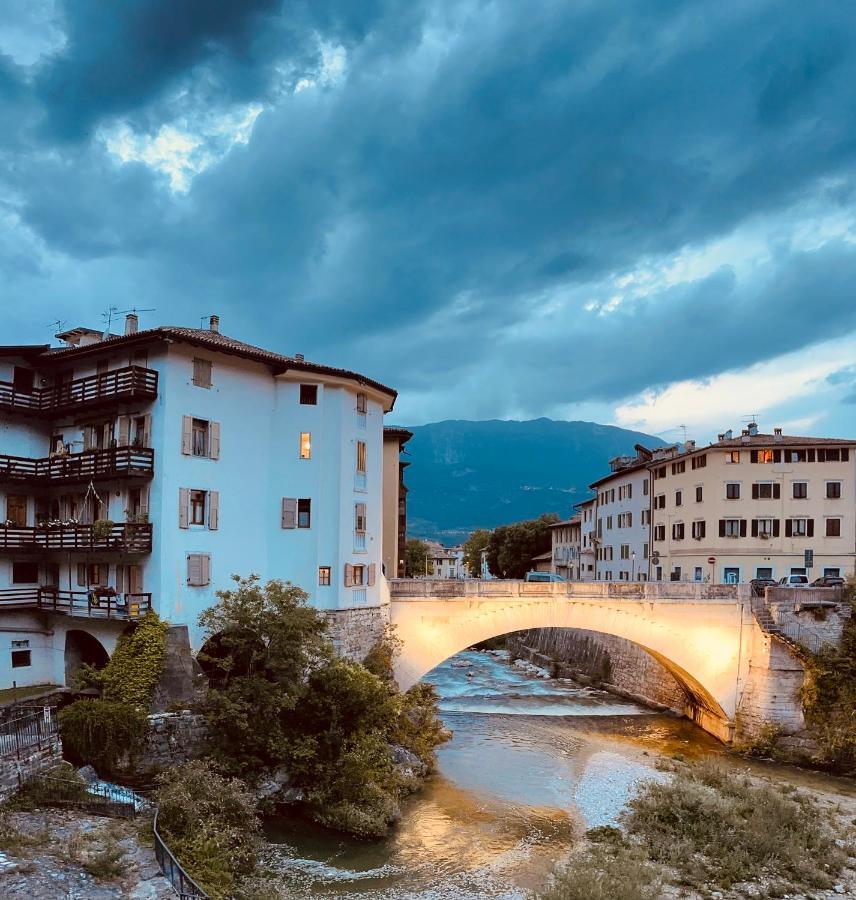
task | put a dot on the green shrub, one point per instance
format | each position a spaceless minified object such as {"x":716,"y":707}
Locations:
{"x":101,"y":732}
{"x":605,"y":873}
{"x":210,"y":824}
{"x":134,"y":669}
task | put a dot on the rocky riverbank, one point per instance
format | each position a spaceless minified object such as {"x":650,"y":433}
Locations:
{"x":51,"y":854}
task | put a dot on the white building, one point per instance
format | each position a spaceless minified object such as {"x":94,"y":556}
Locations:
{"x":446,"y":562}
{"x":588,"y":535}
{"x":210,"y":457}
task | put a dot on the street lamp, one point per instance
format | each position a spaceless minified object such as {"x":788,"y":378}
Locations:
{"x":633,"y":566}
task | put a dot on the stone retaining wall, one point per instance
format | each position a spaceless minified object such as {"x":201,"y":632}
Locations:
{"x":355,"y":631}
{"x":173,"y":738}
{"x":13,"y":772}
{"x":619,"y":664}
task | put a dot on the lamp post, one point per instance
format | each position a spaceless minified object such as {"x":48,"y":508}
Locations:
{"x":633,"y":565}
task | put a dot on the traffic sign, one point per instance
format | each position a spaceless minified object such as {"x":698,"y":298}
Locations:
{"x":711,"y":560}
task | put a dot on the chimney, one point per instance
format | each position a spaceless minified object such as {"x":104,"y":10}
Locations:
{"x":729,"y":435}
{"x":720,"y":437}
{"x":131,"y":323}
{"x":777,"y":434}
{"x":689,"y":446}
{"x":214,"y":324}
{"x":299,"y":357}
{"x":745,"y":436}
{"x":753,"y":428}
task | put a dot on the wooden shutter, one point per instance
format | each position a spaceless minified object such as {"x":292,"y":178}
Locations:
{"x":775,"y":528}
{"x":845,"y":454}
{"x":186,"y":435}
{"x":755,"y":489}
{"x":777,"y":456}
{"x":372,"y":574}
{"x":789,"y":528}
{"x":121,"y":585}
{"x":194,"y":569}
{"x":214,"y":441}
{"x":349,"y":575}
{"x":183,"y":507}
{"x":289,"y":512}
{"x":144,"y":500}
{"x":777,"y":491}
{"x":213,"y":510}
{"x":205,"y":560}
{"x":135,"y":579}
{"x":809,"y":528}
{"x":81,"y":574}
{"x":722,"y":527}
{"x":743,"y":528}
{"x":753,"y":456}
{"x":701,"y":529}
{"x":88,"y":437}
{"x":754,"y":528}
{"x":124,"y":431}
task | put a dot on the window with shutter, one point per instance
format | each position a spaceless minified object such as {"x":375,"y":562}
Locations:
{"x":183,"y":507}
{"x":722,"y":527}
{"x":349,"y":575}
{"x":124,"y":431}
{"x":810,"y":528}
{"x":362,"y":403}
{"x":289,"y":512}
{"x":198,"y":504}
{"x":789,"y":528}
{"x":198,"y":569}
{"x":833,"y":527}
{"x":214,"y":443}
{"x":81,"y":574}
{"x":213,"y":510}
{"x":304,"y":512}
{"x":186,"y":435}
{"x":201,"y":372}
{"x":372,"y":571}
{"x":200,"y":437}
{"x":360,"y":517}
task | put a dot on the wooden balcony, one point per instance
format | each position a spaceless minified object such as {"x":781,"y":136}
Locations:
{"x":74,"y":468}
{"x":124,"y":537}
{"x":93,"y":392}
{"x":92,"y":604}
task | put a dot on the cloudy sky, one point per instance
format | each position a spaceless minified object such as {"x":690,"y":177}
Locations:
{"x":641,"y":213}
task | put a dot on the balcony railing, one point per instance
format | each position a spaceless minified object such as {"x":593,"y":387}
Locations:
{"x":94,"y":604}
{"x":116,"y":462}
{"x":129,"y":383}
{"x":125,"y":536}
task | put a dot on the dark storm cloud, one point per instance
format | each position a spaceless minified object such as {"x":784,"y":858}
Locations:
{"x":477,"y":162}
{"x":844,"y":380}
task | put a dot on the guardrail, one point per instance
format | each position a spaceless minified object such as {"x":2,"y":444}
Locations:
{"x":98,"y":798}
{"x":90,"y":604}
{"x":438,"y":589}
{"x":33,"y":730}
{"x":128,"y":383}
{"x":173,"y":871}
{"x":128,"y":537}
{"x":90,"y":465}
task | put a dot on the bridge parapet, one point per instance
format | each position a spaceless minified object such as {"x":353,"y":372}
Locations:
{"x":653,"y":591}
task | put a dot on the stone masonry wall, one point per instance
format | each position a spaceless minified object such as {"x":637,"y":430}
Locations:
{"x":355,"y":631}
{"x":619,"y":664}
{"x":173,"y":738}
{"x":15,"y":771}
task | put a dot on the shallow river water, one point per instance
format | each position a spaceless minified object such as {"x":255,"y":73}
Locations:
{"x":533,"y":762}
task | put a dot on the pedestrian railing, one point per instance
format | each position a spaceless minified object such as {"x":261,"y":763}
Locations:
{"x":27,"y":732}
{"x":173,"y":871}
{"x":97,"y":798}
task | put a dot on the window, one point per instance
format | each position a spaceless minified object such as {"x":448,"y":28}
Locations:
{"x":732,"y":457}
{"x":799,"y":528}
{"x":20,"y":659}
{"x":699,"y":493}
{"x":198,"y":569}
{"x":22,"y":380}
{"x":304,"y":512}
{"x":697,"y":574}
{"x":199,"y":429}
{"x":678,"y":531}
{"x":608,"y":523}
{"x":361,"y":457}
{"x":833,"y":455}
{"x":659,"y":532}
{"x":833,"y":527}
{"x":644,"y":551}
{"x":201,"y":372}
{"x":732,"y":528}
{"x":678,"y":467}
{"x":679,"y":498}
{"x":698,"y":529}
{"x":699,"y":462}
{"x":762,"y":456}
{"x":16,"y":510}
{"x":832,"y":572}
{"x":197,"y":507}
{"x":625,"y":551}
{"x":25,"y":572}
{"x":660,"y":473}
{"x":766,"y":490}
{"x":305,"y":445}
{"x":359,"y":575}
{"x":800,"y":490}
{"x":645,"y":488}
{"x":833,"y":490}
{"x":362,"y":404}
{"x":646,"y":516}
{"x":764,"y":572}
{"x":765,"y":528}
{"x":309,"y":394}
{"x":732,"y":490}
{"x":660,"y":501}
{"x":324,"y":576}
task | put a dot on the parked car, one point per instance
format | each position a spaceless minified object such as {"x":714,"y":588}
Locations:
{"x":828,"y":581}
{"x":544,"y":576}
{"x":759,"y":584}
{"x":793,"y":581}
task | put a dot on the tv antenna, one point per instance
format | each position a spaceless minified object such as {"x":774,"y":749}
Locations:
{"x":57,"y":326}
{"x":113,"y":311}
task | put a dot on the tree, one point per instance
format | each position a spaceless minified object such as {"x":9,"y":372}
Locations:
{"x":416,"y":558}
{"x":511,"y":547}
{"x":473,"y":547}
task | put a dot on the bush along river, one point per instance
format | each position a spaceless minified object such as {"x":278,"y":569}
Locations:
{"x":533,"y":763}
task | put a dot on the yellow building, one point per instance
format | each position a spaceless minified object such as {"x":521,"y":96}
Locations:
{"x":394,"y":500}
{"x":751,"y":506}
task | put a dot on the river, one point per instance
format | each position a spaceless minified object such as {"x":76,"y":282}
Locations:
{"x":533,"y":762}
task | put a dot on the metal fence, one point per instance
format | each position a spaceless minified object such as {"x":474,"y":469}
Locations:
{"x":32,"y":729}
{"x":97,"y":798}
{"x":172,"y":869}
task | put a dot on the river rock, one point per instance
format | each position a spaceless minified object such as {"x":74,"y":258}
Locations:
{"x":277,"y":788}
{"x":407,"y":763}
{"x":88,"y":774}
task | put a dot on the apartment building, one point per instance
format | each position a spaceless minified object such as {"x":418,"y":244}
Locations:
{"x":588,"y":534}
{"x":394,"y":500}
{"x":751,"y":506}
{"x":445,"y":562}
{"x":144,"y":470}
{"x":566,"y":545}
{"x":622,"y":511}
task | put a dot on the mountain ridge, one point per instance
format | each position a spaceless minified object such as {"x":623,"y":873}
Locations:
{"x":467,"y":474}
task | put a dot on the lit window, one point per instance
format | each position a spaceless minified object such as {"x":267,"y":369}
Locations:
{"x":305,"y":445}
{"x":197,"y":507}
{"x":732,"y":456}
{"x":765,"y":456}
{"x":324,"y":576}
{"x":361,"y":457}
{"x":359,"y":575}
{"x":200,"y":437}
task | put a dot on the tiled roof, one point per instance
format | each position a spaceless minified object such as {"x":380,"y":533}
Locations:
{"x":397,"y":431}
{"x":212,"y":340}
{"x":574,"y":520}
{"x":773,"y":440}
{"x":543,"y":556}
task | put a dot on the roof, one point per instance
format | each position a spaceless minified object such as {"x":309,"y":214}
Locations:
{"x":543,"y":556}
{"x":618,"y":473}
{"x":574,"y":520}
{"x":23,"y":350}
{"x":396,"y":431}
{"x":212,"y":340}
{"x":586,"y":502}
{"x":765,"y":441}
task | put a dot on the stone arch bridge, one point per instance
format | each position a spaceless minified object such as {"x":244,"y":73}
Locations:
{"x":705,"y":635}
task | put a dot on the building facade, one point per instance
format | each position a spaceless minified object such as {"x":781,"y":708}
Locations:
{"x":622,"y":515}
{"x":445,"y":562}
{"x":566,"y":545}
{"x":144,"y":470}
{"x":394,"y":501}
{"x":588,"y":533}
{"x":751,"y":506}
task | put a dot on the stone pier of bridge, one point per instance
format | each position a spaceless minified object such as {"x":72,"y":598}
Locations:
{"x":707,"y":636}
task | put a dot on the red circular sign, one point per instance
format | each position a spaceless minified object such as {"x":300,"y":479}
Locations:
{"x":711,"y":559}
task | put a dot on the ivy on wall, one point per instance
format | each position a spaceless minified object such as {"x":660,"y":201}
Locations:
{"x":135,"y":667}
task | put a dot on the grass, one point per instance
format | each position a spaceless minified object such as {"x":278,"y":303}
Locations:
{"x":12,"y":695}
{"x":708,"y":828}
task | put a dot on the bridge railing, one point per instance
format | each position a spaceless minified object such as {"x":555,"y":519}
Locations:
{"x":438,"y":589}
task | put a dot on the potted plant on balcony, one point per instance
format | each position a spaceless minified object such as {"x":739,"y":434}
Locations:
{"x":101,"y":529}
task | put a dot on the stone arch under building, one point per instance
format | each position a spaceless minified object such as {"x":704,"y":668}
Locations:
{"x":82,"y":647}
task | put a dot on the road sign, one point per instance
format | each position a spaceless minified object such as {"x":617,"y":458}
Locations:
{"x":809,"y":558}
{"x":711,"y":560}
{"x":655,"y":559}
